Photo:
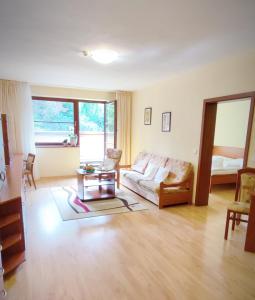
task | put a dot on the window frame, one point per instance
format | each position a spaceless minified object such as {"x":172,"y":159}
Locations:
{"x":76,"y":117}
{"x":75,"y":107}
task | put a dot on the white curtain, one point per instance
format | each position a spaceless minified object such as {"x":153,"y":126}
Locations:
{"x":124,"y":102}
{"x":16,"y":103}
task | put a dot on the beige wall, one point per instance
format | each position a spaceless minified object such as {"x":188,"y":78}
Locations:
{"x":63,"y":161}
{"x":183,"y":96}
{"x":58,"y":161}
{"x":231,"y":123}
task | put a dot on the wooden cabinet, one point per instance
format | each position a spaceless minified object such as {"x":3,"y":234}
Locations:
{"x":12,"y":236}
{"x":2,"y":290}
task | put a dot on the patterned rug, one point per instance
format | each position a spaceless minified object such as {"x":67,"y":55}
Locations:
{"x":71,"y":207}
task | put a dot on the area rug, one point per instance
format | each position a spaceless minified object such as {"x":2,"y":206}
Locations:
{"x":71,"y":207}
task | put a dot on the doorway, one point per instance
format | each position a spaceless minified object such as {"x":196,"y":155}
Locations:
{"x":207,"y":142}
{"x":97,"y":129}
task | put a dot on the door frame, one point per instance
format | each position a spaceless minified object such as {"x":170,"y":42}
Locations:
{"x":207,"y":141}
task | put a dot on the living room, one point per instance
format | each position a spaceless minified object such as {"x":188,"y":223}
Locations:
{"x":125,"y":103}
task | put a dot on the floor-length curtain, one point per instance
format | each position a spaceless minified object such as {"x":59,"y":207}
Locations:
{"x":124,"y":102}
{"x":16,"y":103}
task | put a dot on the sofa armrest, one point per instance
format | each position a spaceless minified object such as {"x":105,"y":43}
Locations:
{"x":174,"y":184}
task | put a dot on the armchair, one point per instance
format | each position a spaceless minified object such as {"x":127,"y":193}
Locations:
{"x":114,"y":156}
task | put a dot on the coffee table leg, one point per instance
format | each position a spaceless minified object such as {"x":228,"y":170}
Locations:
{"x":99,"y":179}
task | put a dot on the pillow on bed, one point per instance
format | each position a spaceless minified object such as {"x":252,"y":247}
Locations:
{"x":217,"y":162}
{"x":233,"y":163}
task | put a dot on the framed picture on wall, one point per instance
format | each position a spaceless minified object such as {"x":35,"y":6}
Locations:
{"x":147,"y":115}
{"x":166,"y":122}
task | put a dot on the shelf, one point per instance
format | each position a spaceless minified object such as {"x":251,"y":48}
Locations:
{"x":90,"y":183}
{"x":7,"y":220}
{"x":11,"y":240}
{"x":13,"y":262}
{"x":97,"y":195}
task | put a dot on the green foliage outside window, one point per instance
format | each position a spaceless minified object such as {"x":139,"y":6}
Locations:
{"x":59,"y":116}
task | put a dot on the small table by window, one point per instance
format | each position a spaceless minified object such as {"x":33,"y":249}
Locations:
{"x":98,"y":185}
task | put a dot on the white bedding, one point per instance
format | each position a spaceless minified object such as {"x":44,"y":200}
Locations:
{"x":225,"y":165}
{"x":224,"y":171}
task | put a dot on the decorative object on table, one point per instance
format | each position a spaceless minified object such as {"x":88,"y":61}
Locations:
{"x":73,"y":139}
{"x":71,"y":207}
{"x":65,"y":142}
{"x":89,"y":168}
{"x":147,"y":115}
{"x":28,"y":170}
{"x":166,"y":122}
{"x":245,"y":187}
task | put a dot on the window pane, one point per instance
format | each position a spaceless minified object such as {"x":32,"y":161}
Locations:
{"x":91,"y":117}
{"x":53,"y":111}
{"x":53,"y":121}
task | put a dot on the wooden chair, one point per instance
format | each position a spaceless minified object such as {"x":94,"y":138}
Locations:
{"x":28,"y":168}
{"x":245,"y":186}
{"x":115,"y":155}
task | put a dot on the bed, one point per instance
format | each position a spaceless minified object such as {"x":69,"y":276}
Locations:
{"x":225,"y":163}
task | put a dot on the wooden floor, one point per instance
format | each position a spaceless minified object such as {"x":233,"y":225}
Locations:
{"x":174,"y":253}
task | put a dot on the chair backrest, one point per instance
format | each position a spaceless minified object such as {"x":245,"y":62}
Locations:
{"x":115,"y":155}
{"x":245,"y":184}
{"x":30,"y":161}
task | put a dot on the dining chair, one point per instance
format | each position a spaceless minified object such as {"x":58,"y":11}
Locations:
{"x":245,"y":186}
{"x":28,"y":170}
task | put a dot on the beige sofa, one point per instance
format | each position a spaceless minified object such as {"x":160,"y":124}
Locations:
{"x":162,"y":180}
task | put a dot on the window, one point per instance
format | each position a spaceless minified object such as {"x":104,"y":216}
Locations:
{"x":94,"y":122}
{"x":53,"y":120}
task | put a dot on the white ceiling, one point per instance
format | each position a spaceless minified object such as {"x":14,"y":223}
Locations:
{"x":41,"y":41}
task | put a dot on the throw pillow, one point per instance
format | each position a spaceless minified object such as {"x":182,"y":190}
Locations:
{"x":150,"y":171}
{"x":161,"y":174}
{"x":140,"y":166}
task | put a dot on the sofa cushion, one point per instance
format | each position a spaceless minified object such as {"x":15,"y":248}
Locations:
{"x":178,"y":170}
{"x":154,"y":187}
{"x":150,"y":185}
{"x":141,"y":162}
{"x":134,"y":176}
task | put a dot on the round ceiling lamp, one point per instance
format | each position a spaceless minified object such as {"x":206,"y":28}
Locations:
{"x":103,"y":56}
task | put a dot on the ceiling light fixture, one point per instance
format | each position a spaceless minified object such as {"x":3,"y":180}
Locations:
{"x":103,"y":56}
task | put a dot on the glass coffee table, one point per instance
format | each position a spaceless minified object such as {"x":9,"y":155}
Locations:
{"x":98,"y":185}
